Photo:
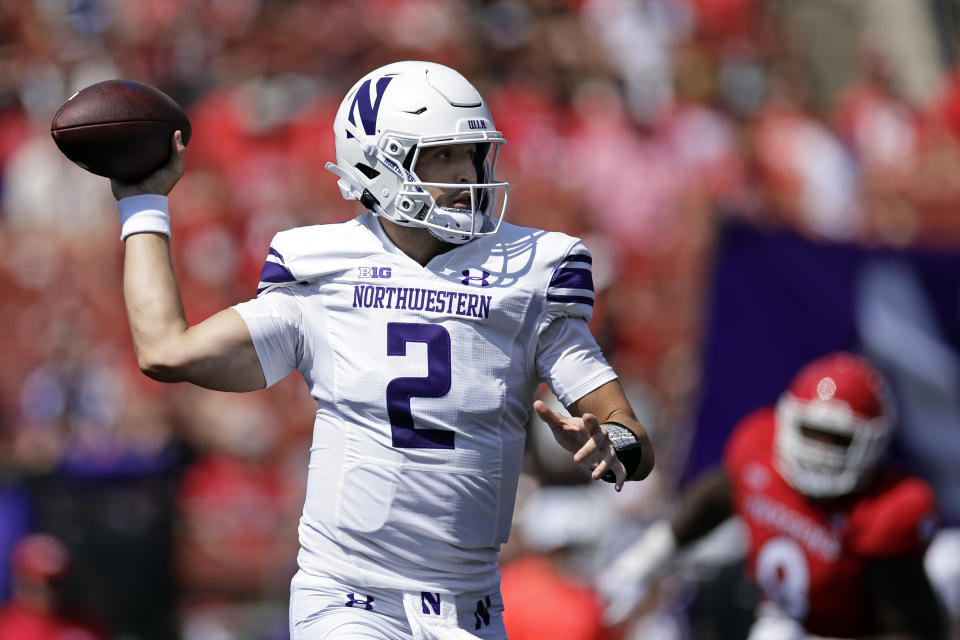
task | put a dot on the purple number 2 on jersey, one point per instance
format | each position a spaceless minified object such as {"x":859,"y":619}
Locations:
{"x":435,"y":385}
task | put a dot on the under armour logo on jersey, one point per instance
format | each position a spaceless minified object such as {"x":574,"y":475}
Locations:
{"x":430,"y":602}
{"x":472,"y":276}
{"x":353,"y":601}
{"x":482,"y":614}
{"x":368,"y":111}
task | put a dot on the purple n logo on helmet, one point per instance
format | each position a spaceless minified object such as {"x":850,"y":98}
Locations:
{"x":368,"y":111}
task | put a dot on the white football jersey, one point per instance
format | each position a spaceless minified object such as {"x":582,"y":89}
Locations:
{"x":424,"y":378}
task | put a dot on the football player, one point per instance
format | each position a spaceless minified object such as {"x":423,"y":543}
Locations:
{"x":836,"y":537}
{"x":422,"y":328}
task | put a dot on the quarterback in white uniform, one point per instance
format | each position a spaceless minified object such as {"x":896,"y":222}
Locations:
{"x":422,"y":329}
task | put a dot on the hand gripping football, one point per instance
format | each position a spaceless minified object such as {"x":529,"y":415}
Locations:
{"x":119,"y":129}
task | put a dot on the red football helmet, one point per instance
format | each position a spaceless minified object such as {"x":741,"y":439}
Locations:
{"x":39,"y":558}
{"x":833,"y":426}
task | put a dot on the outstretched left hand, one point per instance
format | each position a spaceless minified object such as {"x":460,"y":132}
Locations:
{"x":586,"y":440}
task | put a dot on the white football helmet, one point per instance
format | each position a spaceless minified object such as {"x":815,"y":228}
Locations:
{"x":833,"y":426}
{"x":384,"y":123}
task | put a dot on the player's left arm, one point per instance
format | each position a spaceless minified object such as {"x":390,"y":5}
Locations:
{"x":903,"y":600}
{"x":591,"y":431}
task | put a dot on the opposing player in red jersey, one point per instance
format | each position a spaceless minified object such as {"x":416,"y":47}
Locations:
{"x":836,"y":538}
{"x":40,"y":607}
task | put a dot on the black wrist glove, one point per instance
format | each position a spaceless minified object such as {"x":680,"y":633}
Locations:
{"x":627,"y":447}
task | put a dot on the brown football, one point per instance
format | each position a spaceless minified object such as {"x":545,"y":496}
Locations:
{"x":119,"y":129}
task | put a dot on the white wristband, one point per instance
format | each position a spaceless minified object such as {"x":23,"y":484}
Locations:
{"x":146,"y":213}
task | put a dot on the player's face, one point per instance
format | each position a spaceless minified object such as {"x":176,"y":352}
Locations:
{"x":823,"y":436}
{"x":452,"y":163}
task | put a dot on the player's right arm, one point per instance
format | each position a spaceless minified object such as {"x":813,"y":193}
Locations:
{"x":217,"y":353}
{"x":705,"y":505}
{"x":702,"y":507}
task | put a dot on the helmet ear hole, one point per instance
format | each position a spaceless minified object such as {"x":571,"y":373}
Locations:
{"x":408,"y":160}
{"x":367,"y":170}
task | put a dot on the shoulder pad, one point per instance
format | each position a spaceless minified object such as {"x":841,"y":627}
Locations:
{"x":306,"y":253}
{"x":896,"y":516}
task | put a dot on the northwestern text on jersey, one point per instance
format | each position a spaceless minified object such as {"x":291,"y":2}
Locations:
{"x":415,"y":299}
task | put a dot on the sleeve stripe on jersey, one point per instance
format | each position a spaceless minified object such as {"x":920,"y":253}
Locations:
{"x":578,"y":257}
{"x":553,"y":297}
{"x":566,"y":278}
{"x":274,"y":252}
{"x":273,"y":273}
{"x":572,"y":281}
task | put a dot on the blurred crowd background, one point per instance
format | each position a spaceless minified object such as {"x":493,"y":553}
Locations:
{"x":759,"y":181}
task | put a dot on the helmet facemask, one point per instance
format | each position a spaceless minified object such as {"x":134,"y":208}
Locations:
{"x":825,"y":450}
{"x":485,"y":199}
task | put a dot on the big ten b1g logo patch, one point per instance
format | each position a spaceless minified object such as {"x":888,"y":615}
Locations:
{"x":381,"y":273}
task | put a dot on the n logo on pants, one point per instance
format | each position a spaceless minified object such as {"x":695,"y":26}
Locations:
{"x":482,"y":614}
